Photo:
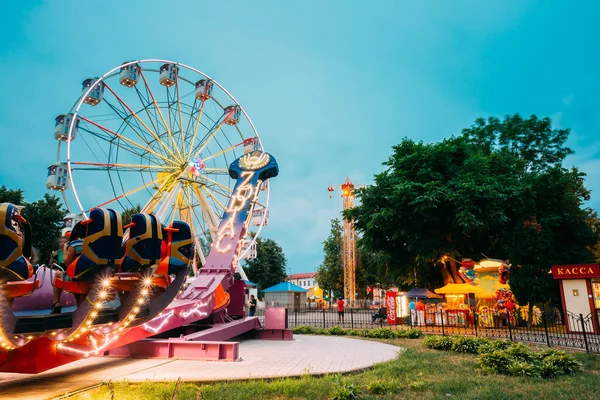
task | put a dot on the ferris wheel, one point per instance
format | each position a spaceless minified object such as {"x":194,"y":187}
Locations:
{"x":156,"y":135}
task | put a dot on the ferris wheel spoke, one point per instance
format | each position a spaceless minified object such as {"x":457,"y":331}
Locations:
{"x":129,"y":193}
{"x":196,"y":125}
{"x":115,"y":134}
{"x":157,"y":108}
{"x":227,"y":189}
{"x":212,"y":196}
{"x":92,"y":166}
{"x":212,"y":134}
{"x":181,"y":133}
{"x":221,"y":171}
{"x":208,"y":213}
{"x":159,"y":194}
{"x":133,"y":113}
{"x":146,"y":102}
{"x":223,"y":151}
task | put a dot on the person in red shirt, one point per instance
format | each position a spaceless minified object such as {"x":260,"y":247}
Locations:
{"x":340,"y":305}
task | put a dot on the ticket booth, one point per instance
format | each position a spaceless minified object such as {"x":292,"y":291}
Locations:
{"x":580,"y":292}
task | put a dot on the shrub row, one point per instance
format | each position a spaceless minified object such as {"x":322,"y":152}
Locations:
{"x":378,"y":333}
{"x":507,"y":358}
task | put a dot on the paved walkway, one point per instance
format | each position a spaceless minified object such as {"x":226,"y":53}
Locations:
{"x":260,"y":359}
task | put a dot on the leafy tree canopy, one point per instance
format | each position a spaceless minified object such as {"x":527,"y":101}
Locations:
{"x":499,"y":190}
{"x":268,"y":268}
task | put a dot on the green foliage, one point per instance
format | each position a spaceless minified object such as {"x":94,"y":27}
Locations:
{"x":438,"y":342}
{"x":463,"y":344}
{"x":378,"y":386}
{"x":129,"y":212}
{"x":377,"y":333}
{"x":337,"y":331}
{"x":304,"y":330}
{"x":268,"y":268}
{"x":412,"y":333}
{"x":45,"y":217}
{"x":11,"y":196}
{"x":489,"y":346}
{"x":499,"y":189}
{"x":330,"y":274}
{"x":345,"y":391}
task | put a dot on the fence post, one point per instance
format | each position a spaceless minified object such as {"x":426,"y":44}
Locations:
{"x":509,"y":326}
{"x":295,"y":318}
{"x":545,"y":319}
{"x":442,"y":319}
{"x":351,"y":319}
{"x":475,"y":317}
{"x":587,"y":348}
{"x":324,"y":319}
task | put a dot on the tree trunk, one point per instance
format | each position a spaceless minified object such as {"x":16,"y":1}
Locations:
{"x":454,"y":271}
{"x":445,"y":274}
{"x":530,"y":316}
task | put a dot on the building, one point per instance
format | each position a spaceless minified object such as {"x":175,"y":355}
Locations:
{"x":305,"y":280}
{"x":580,"y":292}
{"x":285,"y":294}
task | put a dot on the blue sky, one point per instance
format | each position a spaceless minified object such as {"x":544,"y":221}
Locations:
{"x":331,"y":86}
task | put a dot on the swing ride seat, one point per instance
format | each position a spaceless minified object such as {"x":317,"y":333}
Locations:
{"x":178,"y":251}
{"x":101,"y":248}
{"x":142,"y":250}
{"x":15,"y":269}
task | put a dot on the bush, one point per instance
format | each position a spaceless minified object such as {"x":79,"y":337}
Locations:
{"x":490,"y":346}
{"x":378,"y":386}
{"x":557,"y":363}
{"x":522,"y":368}
{"x":469,"y":345}
{"x":496,"y":362}
{"x":345,"y":391}
{"x":304,"y":330}
{"x":337,"y":331}
{"x":412,"y":333}
{"x":438,"y":342}
{"x":353,"y":332}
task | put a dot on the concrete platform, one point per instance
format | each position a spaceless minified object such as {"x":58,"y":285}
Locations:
{"x":260,"y":359}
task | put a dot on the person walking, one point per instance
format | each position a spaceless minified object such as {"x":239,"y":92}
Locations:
{"x":252,"y":305}
{"x":340,"y":308}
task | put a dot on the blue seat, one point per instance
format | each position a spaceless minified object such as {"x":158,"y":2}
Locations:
{"x":142,"y":249}
{"x":101,"y":244}
{"x":14,"y":245}
{"x":178,"y":249}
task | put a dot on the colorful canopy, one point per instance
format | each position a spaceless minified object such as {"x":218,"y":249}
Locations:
{"x":422,"y":293}
{"x":459,"y":288}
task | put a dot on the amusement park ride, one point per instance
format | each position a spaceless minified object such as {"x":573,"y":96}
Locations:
{"x":168,"y":137}
{"x":349,"y":238}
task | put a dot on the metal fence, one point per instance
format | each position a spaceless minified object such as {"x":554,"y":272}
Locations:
{"x":551,"y":329}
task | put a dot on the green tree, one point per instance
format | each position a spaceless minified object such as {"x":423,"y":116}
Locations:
{"x":268,"y":268}
{"x":330,"y":274}
{"x":475,"y":194}
{"x":11,"y":196}
{"x":129,"y":212}
{"x":46,"y":219}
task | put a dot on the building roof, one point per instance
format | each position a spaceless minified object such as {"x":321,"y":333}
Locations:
{"x":249,"y":284}
{"x":285,"y":287}
{"x":302,"y":275}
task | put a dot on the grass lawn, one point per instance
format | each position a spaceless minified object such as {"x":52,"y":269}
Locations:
{"x":417,"y":373}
